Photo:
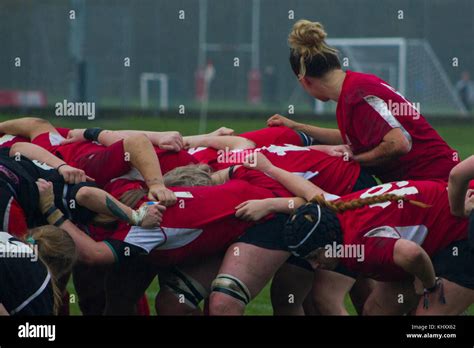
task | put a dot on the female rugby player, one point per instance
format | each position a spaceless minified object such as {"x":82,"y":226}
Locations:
{"x":387,"y":135}
{"x":30,"y":269}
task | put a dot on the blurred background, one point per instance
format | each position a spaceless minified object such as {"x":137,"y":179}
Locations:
{"x":226,"y":57}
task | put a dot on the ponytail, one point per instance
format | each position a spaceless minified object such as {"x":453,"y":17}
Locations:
{"x":57,"y":251}
{"x":340,"y":206}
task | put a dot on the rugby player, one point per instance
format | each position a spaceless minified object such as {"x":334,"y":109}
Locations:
{"x":30,"y":269}
{"x":386,"y":133}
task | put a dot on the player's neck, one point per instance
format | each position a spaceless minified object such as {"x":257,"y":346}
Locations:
{"x":333,"y":83}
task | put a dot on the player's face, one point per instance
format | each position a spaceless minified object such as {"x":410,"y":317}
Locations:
{"x":319,"y":260}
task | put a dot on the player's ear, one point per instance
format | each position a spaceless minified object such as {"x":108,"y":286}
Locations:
{"x":305,"y":82}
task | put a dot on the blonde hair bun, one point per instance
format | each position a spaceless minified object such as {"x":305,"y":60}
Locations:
{"x":307,"y":40}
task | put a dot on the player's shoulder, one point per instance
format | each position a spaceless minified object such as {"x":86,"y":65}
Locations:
{"x":359,"y":86}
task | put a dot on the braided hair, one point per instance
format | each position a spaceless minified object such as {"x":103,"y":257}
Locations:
{"x":315,"y":224}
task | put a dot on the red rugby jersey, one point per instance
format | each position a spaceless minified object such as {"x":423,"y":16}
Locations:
{"x":368,"y":108}
{"x":379,"y":226}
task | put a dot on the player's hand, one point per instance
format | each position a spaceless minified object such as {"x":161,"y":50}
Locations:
{"x":279,"y":120}
{"x":252,"y":210}
{"x":222,"y":131}
{"x":172,"y":141}
{"x":258,"y":161}
{"x":469,"y":202}
{"x":73,"y":175}
{"x":74,"y":136}
{"x":335,"y":150}
{"x":46,"y":195}
{"x":153,"y":214}
{"x":161,"y":194}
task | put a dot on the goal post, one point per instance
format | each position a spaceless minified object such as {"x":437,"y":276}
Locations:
{"x":162,"y":79}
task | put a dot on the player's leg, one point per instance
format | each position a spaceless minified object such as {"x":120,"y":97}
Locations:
{"x":89,"y":286}
{"x":391,"y":298}
{"x":360,"y":292}
{"x":182,"y":288}
{"x":329,"y":291}
{"x":456,"y":300}
{"x":454,"y":265}
{"x":290,"y":286}
{"x":28,"y":127}
{"x":125,"y":285}
{"x":245,"y":271}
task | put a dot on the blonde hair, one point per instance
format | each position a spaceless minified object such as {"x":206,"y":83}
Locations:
{"x":190,"y":175}
{"x":340,"y":206}
{"x":307,"y":41}
{"x":56,"y":249}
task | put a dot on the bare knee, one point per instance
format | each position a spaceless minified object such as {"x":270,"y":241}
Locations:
{"x":222,"y":304}
{"x":84,"y":195}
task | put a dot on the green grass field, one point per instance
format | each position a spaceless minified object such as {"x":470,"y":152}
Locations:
{"x":459,"y":136}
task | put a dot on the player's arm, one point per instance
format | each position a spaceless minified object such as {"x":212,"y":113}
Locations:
{"x":70,"y":174}
{"x":3,"y":311}
{"x":140,"y":152}
{"x":299,"y":186}
{"x":321,"y":135}
{"x":230,"y":142}
{"x":394,"y":144}
{"x":413,"y":259}
{"x":28,"y":127}
{"x":90,"y":251}
{"x":256,"y":209}
{"x":458,"y":185}
{"x":172,"y":140}
{"x":335,"y":150}
{"x":101,"y":202}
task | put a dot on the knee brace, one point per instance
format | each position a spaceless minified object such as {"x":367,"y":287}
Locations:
{"x":229,"y":285}
{"x":181,"y":284}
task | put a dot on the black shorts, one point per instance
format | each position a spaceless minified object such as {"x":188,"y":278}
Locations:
{"x":268,"y":234}
{"x":456,"y":264}
{"x":302,"y":263}
{"x":364,"y":181}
